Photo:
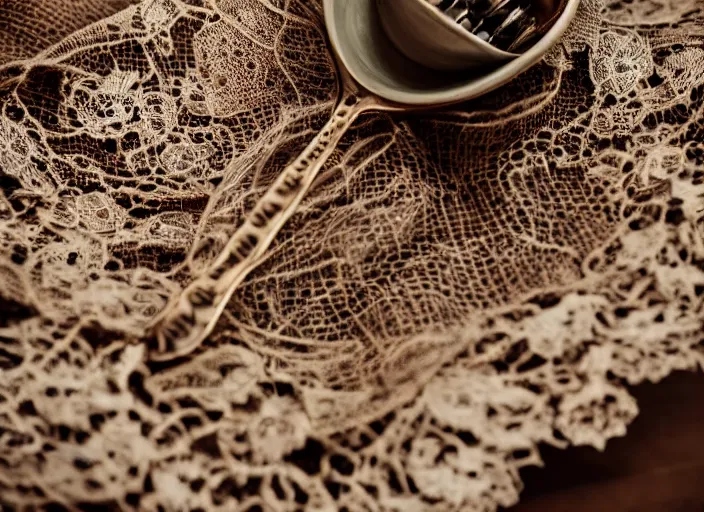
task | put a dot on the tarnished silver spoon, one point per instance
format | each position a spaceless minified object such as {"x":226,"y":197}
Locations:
{"x":376,"y":74}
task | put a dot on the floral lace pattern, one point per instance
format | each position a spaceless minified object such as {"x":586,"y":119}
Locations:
{"x":458,"y":288}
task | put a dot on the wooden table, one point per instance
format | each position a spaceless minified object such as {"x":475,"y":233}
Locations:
{"x":657,"y":467}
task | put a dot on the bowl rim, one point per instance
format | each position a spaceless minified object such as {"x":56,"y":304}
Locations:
{"x":473,"y":88}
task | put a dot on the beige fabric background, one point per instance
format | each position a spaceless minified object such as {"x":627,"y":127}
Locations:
{"x":457,"y":289}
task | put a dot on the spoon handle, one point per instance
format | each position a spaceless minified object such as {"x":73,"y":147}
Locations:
{"x":188,"y":320}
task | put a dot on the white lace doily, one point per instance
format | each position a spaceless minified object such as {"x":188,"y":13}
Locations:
{"x":456,"y":289}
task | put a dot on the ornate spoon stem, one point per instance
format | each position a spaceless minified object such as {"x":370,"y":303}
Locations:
{"x":187,"y":321}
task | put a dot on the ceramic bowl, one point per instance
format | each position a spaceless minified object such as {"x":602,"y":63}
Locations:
{"x":365,"y":50}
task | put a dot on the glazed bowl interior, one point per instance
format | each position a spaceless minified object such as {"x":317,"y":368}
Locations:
{"x":364,"y":49}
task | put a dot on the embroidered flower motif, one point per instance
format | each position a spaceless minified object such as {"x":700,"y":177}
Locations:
{"x":19,"y":158}
{"x":107,"y":106}
{"x":596,"y":413}
{"x":114,"y":105}
{"x":459,"y":475}
{"x":187,"y":158}
{"x":280,"y":428}
{"x":483,"y":404}
{"x":573,"y":320}
{"x":159,"y":16}
{"x":623,"y":58}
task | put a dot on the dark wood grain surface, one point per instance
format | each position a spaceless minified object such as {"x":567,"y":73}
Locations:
{"x":657,"y":467}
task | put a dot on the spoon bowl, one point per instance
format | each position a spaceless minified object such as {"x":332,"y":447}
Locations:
{"x":422,"y":33}
{"x":365,"y":50}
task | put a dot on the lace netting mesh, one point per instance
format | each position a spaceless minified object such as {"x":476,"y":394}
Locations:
{"x":457,"y":288}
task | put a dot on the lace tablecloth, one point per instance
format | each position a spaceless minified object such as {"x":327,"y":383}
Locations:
{"x":457,"y":288}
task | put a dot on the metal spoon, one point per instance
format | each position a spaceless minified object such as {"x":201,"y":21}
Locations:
{"x":375,"y":75}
